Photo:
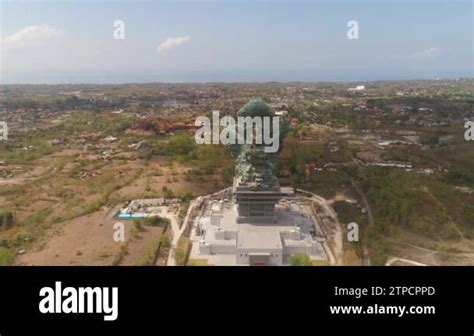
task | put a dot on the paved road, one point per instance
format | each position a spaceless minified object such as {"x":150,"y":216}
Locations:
{"x":391,"y":261}
{"x":177,"y":231}
{"x":176,"y":235}
{"x":338,"y":238}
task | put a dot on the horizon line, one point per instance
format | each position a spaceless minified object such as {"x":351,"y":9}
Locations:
{"x":247,"y":82}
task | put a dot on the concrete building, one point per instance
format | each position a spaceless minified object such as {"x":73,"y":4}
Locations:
{"x":223,"y":239}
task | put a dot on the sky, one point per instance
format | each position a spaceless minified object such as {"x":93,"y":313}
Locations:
{"x":234,"y":41}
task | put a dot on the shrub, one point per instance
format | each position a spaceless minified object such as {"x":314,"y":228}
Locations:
{"x":179,"y":256}
{"x":120,"y":255}
{"x":165,"y":241}
{"x":167,"y":192}
{"x":137,"y":224}
{"x":300,"y":259}
{"x":156,"y":220}
{"x":6,"y":220}
{"x":6,"y":256}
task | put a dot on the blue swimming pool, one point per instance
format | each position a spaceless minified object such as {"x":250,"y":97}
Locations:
{"x":125,"y":215}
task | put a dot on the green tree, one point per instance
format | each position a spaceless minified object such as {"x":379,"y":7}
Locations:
{"x":167,"y":192}
{"x":187,"y":196}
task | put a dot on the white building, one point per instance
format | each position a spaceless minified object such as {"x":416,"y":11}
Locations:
{"x":223,"y":240}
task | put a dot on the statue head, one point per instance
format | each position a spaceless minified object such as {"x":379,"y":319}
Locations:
{"x":253,"y":163}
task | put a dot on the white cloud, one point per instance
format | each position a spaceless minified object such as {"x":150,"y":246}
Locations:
{"x":172,"y":42}
{"x":422,"y":55}
{"x":31,"y":36}
{"x":427,"y":53}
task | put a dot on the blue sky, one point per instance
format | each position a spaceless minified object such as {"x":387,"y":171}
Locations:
{"x":71,"y":41}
